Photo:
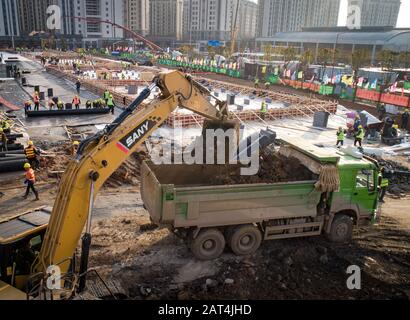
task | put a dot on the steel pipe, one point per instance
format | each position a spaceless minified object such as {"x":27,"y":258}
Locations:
{"x":10,"y":166}
{"x":51,"y":113}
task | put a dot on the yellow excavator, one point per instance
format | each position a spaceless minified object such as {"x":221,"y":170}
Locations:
{"x":35,"y":245}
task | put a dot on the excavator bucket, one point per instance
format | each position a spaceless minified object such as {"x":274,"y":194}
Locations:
{"x":225,"y":125}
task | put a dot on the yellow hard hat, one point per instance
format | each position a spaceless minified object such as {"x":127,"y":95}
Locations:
{"x":76,"y":143}
{"x":395,"y":126}
{"x":1,"y":129}
{"x":360,"y":127}
{"x":27,"y":166}
{"x":30,"y":143}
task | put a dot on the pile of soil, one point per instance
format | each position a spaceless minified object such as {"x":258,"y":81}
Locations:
{"x":273,"y":168}
{"x":155,"y":264}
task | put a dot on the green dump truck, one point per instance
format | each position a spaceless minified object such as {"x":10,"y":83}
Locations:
{"x":342,"y":193}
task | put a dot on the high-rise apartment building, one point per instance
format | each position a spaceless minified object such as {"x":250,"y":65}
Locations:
{"x":377,"y":13}
{"x":137,"y":16}
{"x":293,"y":15}
{"x":106,"y":10}
{"x":33,"y":16}
{"x":215,"y":19}
{"x":9,"y":22}
{"x":165,"y":18}
{"x":247,"y":19}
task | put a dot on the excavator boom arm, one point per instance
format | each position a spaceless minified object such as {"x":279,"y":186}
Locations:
{"x":99,"y":156}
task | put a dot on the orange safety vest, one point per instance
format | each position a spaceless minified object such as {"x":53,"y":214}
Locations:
{"x":30,"y":152}
{"x":76,"y":101}
{"x":36,"y":98}
{"x":30,"y":175}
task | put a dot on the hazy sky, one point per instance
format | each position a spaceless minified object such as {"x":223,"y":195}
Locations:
{"x":402,"y":22}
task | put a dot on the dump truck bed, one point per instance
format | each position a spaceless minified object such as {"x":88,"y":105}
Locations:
{"x":184,"y":196}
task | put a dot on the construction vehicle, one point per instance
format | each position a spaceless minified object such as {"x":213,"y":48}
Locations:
{"x":342,"y":193}
{"x":23,"y":243}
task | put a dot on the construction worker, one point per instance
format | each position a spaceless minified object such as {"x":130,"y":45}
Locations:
{"x":78,"y":86}
{"x":30,"y":181}
{"x":264,"y":109}
{"x":88,"y":104}
{"x":256,"y":82}
{"x":31,"y":153}
{"x":5,"y":125}
{"x":60,"y":104}
{"x":3,"y":140}
{"x":359,"y":136}
{"x":267,"y":85}
{"x":51,"y":104}
{"x":76,"y":102}
{"x":36,"y":99}
{"x":405,"y":119}
{"x":27,"y":106}
{"x":74,"y":147}
{"x":395,"y":130}
{"x":357,"y":123}
{"x":96,"y":103}
{"x":383,"y":183}
{"x":106,"y":95}
{"x":382,"y":111}
{"x":340,"y":134}
{"x":111,"y":103}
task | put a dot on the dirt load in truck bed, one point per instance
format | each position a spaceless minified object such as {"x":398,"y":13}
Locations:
{"x":273,"y":168}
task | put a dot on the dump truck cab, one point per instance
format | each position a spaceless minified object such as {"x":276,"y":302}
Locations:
{"x":357,"y":196}
{"x":358,"y":187}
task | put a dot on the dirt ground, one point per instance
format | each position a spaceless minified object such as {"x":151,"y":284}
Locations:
{"x":155,"y":264}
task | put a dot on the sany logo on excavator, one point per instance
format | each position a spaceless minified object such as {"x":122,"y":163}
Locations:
{"x":132,"y":138}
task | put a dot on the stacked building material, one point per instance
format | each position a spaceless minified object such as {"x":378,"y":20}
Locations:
{"x":13,"y":159}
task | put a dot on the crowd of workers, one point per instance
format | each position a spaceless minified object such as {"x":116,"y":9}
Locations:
{"x":106,"y":101}
{"x":31,"y":152}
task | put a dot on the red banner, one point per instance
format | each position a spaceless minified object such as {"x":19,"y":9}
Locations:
{"x":402,"y":101}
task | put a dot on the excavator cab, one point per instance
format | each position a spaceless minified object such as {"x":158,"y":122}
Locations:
{"x":20,"y":242}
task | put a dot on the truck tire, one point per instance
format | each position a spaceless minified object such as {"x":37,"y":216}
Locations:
{"x":341,"y":229}
{"x":208,"y":245}
{"x":245,"y":239}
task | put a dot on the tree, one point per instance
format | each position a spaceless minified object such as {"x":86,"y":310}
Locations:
{"x":325,"y":56}
{"x":289,"y":54}
{"x":360,"y":58}
{"x":211,"y":51}
{"x":267,"y":52}
{"x":63,"y":44}
{"x":386,"y":59}
{"x":186,"y":49}
{"x":307,"y":57}
{"x":404,"y":59}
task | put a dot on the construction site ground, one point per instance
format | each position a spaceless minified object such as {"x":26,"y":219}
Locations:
{"x":149,"y":262}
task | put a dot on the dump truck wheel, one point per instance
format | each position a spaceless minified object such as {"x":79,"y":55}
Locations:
{"x":341,"y":229}
{"x":245,"y":239}
{"x":208,"y":245}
